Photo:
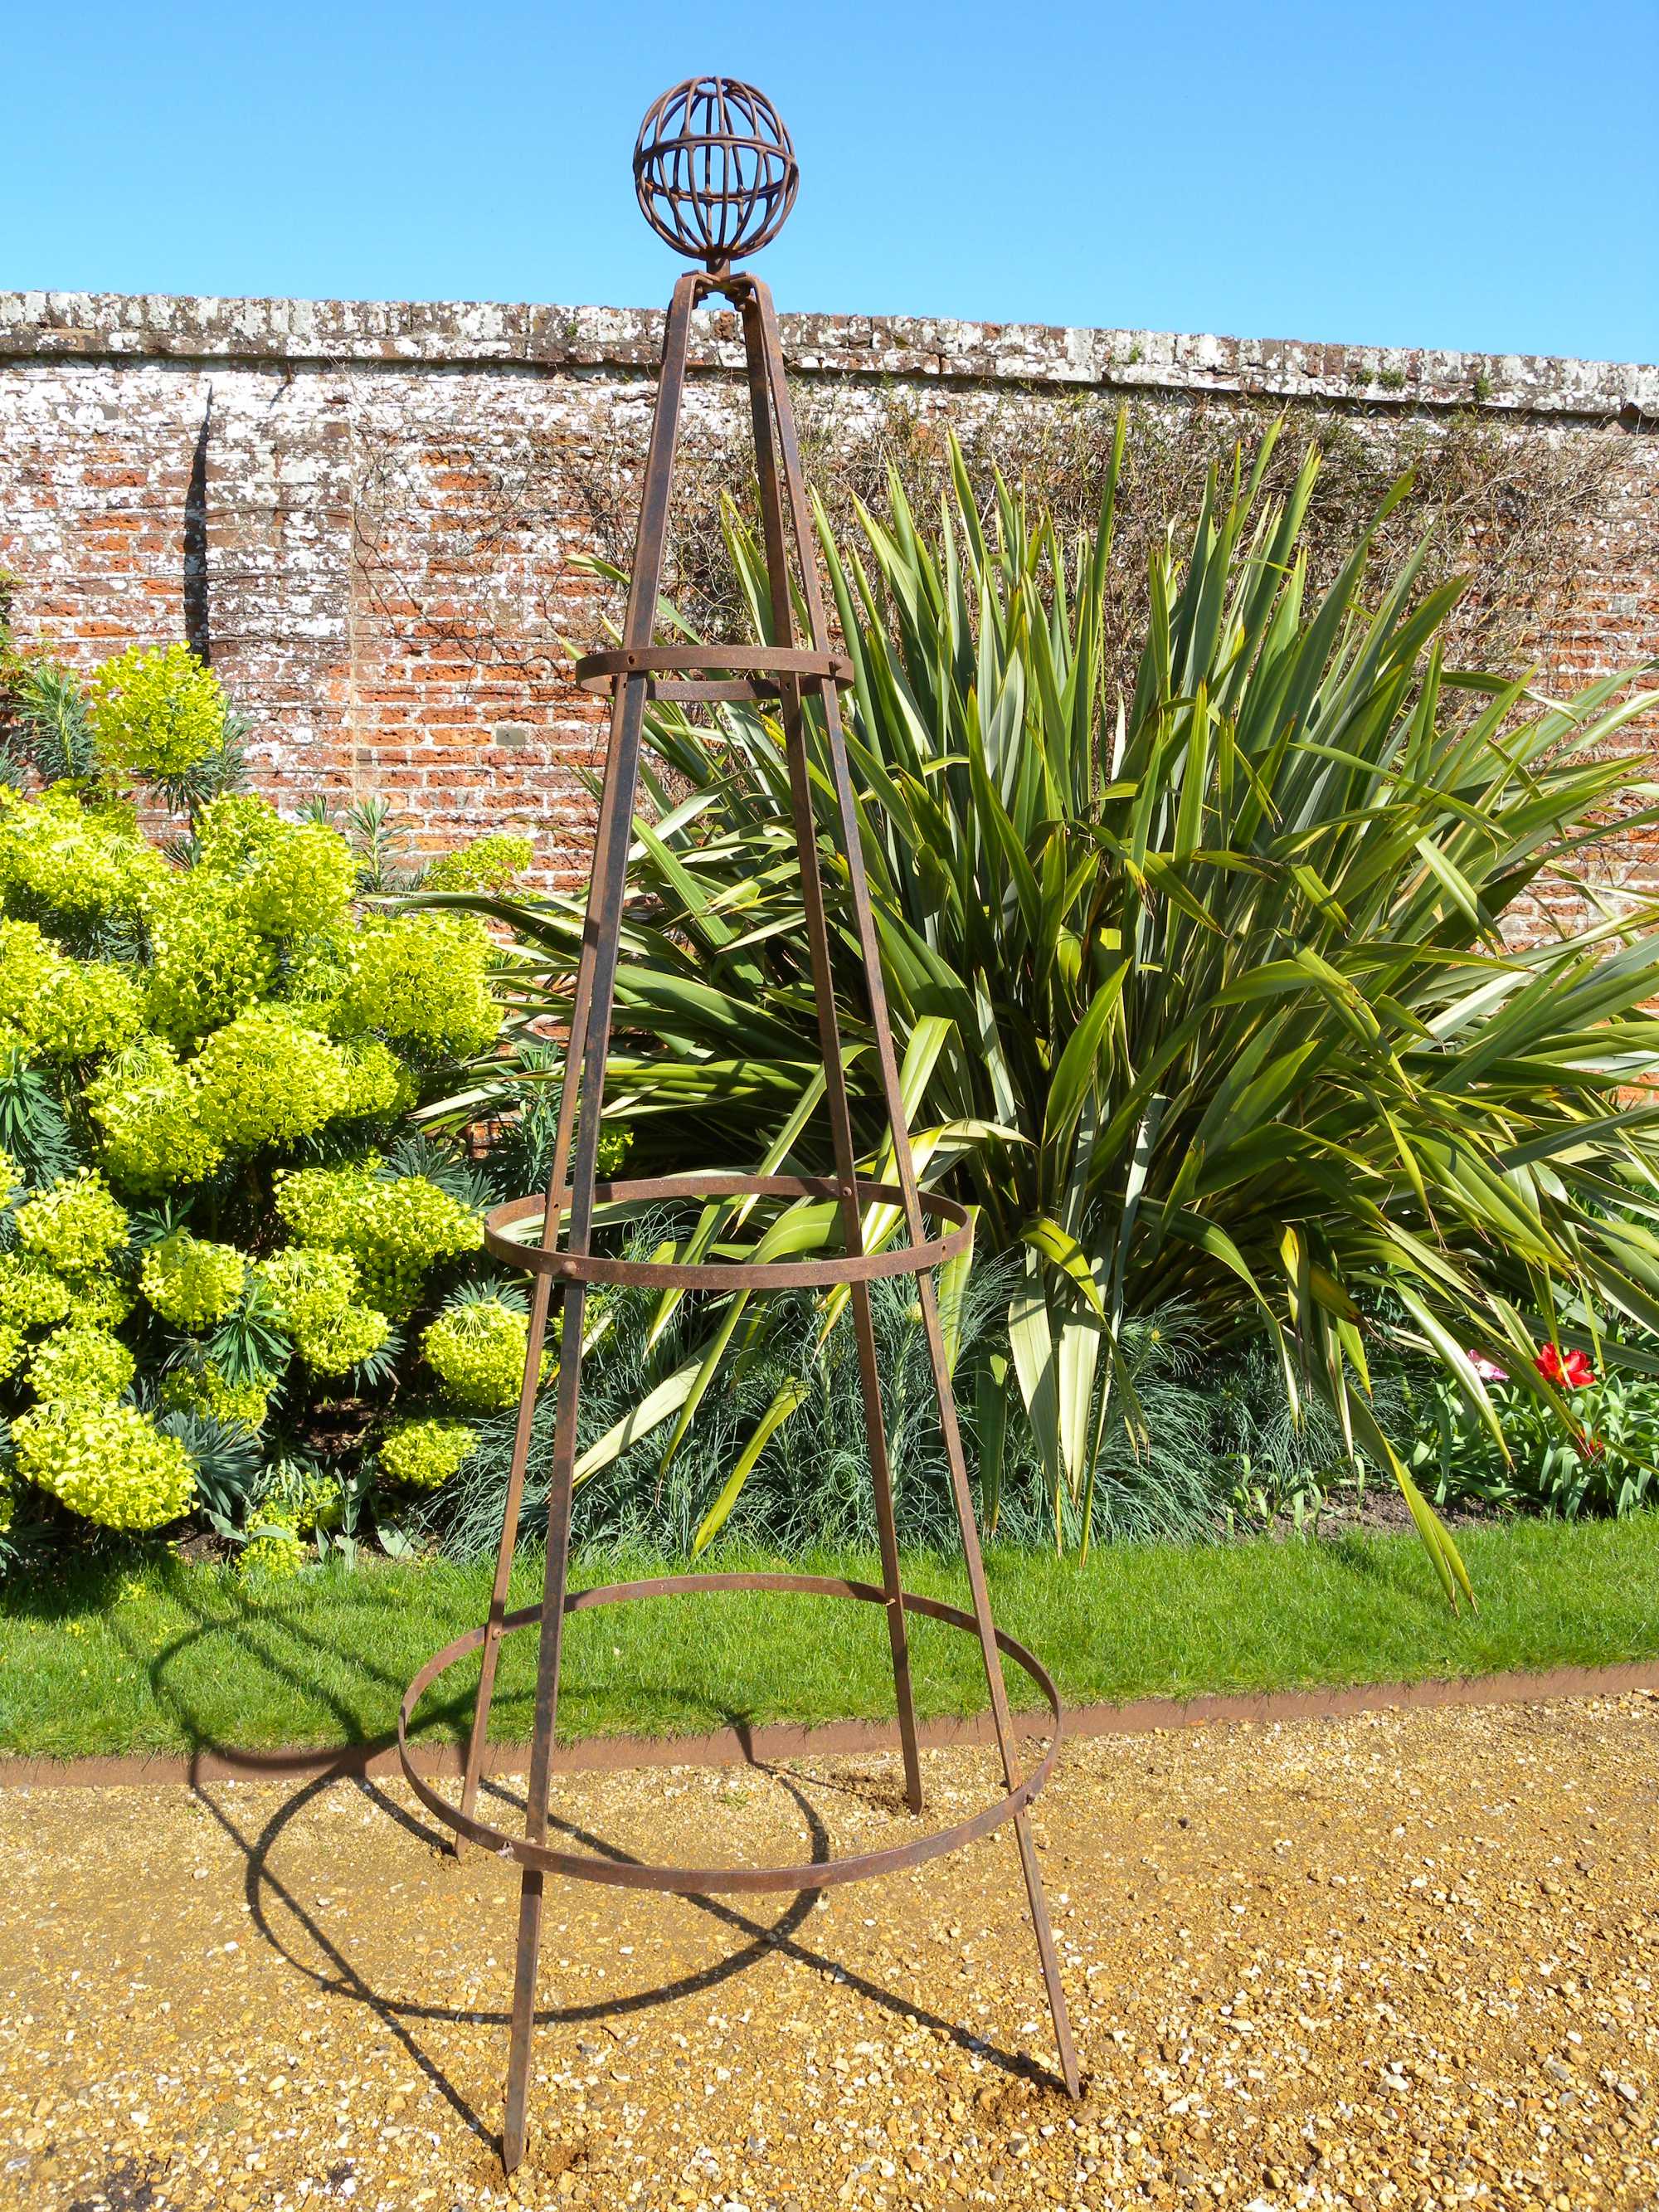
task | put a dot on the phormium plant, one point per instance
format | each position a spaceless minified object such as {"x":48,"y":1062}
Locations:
{"x":1205,"y":991}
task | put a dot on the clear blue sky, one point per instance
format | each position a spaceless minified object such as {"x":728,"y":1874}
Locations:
{"x":1463,"y":174}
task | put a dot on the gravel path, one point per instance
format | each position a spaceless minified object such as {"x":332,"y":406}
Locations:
{"x":1400,"y":1960}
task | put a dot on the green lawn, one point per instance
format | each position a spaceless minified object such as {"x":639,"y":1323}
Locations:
{"x":166,"y":1656}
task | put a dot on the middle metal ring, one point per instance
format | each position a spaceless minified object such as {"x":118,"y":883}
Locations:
{"x":728,"y":1274}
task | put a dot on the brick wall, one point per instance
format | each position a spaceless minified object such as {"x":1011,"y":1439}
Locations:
{"x":372,"y":516}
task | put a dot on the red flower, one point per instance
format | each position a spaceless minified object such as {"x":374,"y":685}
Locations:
{"x":1569,"y":1370}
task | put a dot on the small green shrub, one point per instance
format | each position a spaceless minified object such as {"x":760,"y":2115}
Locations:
{"x":395,"y":1229}
{"x":421,"y":980}
{"x":423,"y":1452}
{"x":489,"y":864}
{"x":274,"y":1554}
{"x":74,"y":1226}
{"x":156,"y":712}
{"x":83,"y":1363}
{"x":190,"y":1280}
{"x":476,"y":1348}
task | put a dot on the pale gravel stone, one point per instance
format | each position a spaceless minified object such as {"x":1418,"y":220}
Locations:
{"x":1467,"y":2018}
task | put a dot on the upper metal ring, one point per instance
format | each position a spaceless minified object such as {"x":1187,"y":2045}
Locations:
{"x":753,"y":671}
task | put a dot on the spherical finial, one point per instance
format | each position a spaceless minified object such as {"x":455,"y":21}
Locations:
{"x":714,"y":170}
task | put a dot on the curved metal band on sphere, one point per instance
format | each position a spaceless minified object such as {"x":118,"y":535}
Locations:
{"x":714,"y":170}
{"x":726,"y":1274}
{"x":706,"y":1881}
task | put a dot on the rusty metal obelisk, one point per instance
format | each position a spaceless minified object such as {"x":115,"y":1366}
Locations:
{"x":716,"y":176}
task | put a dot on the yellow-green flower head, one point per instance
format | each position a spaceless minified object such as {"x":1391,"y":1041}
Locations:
{"x":308,"y":1288}
{"x":265,"y":1079}
{"x":335,"y":1346}
{"x":204,"y":1389}
{"x":89,"y":1008}
{"x":397,"y":1228}
{"x":10,"y":1180}
{"x":376,"y":1081}
{"x":28,"y":960}
{"x":157,"y":712}
{"x":424,"y":1451}
{"x":315,"y":970}
{"x":274,"y":1555}
{"x":82,"y":1363}
{"x":315,"y":1295}
{"x":488,"y":863}
{"x":149,"y":1112}
{"x":60,"y":1009}
{"x":13,"y":1346}
{"x":210,"y":963}
{"x":109,"y":1463}
{"x":293,"y":880}
{"x":233,"y":830}
{"x":62,"y":861}
{"x":100,"y":1301}
{"x":302,"y":886}
{"x":302,"y":1497}
{"x":32,"y":1295}
{"x":421,"y":980}
{"x":75,"y":1226}
{"x":192,"y":1281}
{"x":478,"y":1350}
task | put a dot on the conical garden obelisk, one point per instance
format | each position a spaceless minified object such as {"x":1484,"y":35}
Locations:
{"x":716,"y":176}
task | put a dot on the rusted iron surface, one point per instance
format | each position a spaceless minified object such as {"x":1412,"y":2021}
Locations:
{"x":764,"y":666}
{"x":726,"y":1274}
{"x":706,"y":1881}
{"x":715,"y":173}
{"x":713,"y":169}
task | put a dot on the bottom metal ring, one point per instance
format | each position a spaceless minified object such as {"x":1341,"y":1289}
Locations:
{"x":710,"y":1881}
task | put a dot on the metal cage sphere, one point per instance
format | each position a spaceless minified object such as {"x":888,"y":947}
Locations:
{"x":714,"y":169}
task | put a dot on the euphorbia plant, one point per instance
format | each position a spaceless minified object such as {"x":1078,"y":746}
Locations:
{"x":216,"y":1224}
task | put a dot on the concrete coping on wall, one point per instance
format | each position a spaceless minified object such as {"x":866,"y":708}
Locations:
{"x":113,"y":326}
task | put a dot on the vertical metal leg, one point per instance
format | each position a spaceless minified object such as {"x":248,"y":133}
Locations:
{"x":823,"y":992}
{"x":601,"y":950}
{"x":539,"y":1301}
{"x":515,"y":2127}
{"x":609,"y":872}
{"x":1004,"y":1725}
{"x":504,"y":1557}
{"x":846,"y":809}
{"x":881,"y":1480}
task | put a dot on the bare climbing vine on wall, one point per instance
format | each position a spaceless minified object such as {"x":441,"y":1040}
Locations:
{"x":1506,"y":505}
{"x":503,"y":586}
